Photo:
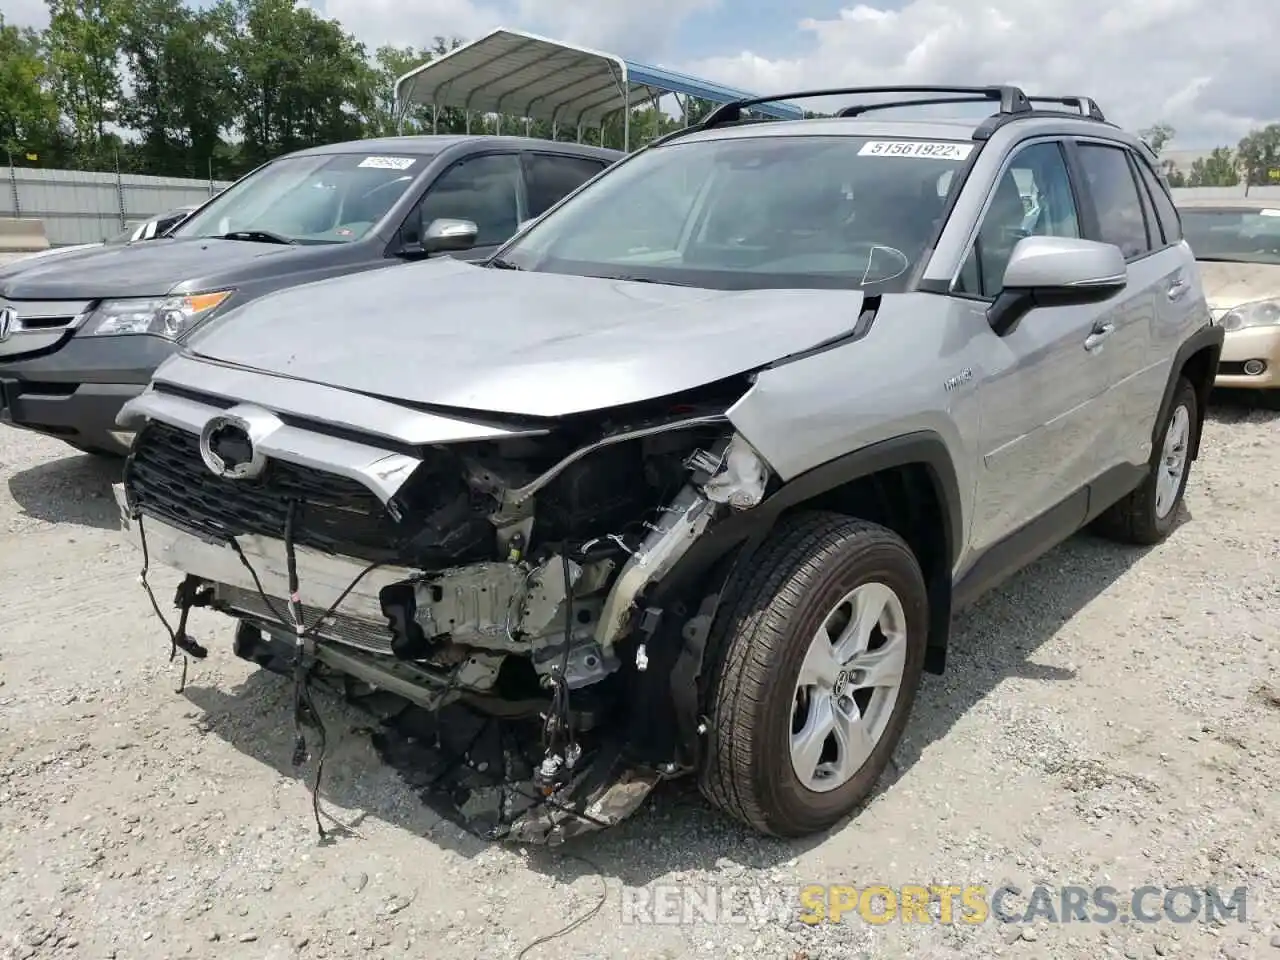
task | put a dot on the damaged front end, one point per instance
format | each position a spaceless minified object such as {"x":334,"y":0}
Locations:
{"x":503,"y":573}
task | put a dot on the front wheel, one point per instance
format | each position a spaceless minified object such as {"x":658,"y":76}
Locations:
{"x":815,"y":662}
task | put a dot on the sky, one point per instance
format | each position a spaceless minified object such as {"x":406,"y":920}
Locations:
{"x":1207,"y":67}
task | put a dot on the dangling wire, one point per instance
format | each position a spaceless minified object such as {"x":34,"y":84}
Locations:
{"x":155,"y":604}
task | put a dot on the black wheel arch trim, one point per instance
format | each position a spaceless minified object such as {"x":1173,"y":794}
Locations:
{"x":1209,"y":337}
{"x":924,"y":447}
{"x":696,"y":585}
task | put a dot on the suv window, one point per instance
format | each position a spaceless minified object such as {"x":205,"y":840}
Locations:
{"x":754,"y":213}
{"x":1243,"y":236}
{"x":1115,"y":198}
{"x":548,"y":178}
{"x":1167,"y":213}
{"x":312,"y":198}
{"x":1032,"y":199}
{"x":481,"y":189}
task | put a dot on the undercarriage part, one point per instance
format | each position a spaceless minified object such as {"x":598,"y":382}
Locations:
{"x":483,"y":774}
{"x":430,"y":687}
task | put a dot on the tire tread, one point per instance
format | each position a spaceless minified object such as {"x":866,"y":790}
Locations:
{"x":757,"y":607}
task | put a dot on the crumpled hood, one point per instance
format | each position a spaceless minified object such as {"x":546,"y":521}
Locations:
{"x":145,"y":268}
{"x":1227,"y":285}
{"x":453,"y":334}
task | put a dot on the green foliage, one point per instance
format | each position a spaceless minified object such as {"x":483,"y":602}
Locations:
{"x":160,"y":87}
{"x":1219,"y":169}
{"x":28,"y":110}
{"x":157,"y":86}
{"x":1258,"y":155}
{"x":1157,"y":136}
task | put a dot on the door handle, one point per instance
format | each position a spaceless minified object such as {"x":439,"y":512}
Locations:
{"x":1177,"y":288}
{"x":1100,"y":333}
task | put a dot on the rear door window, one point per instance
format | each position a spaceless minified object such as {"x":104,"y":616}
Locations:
{"x":1170,"y":225}
{"x":1119,"y":208}
{"x":550,"y":177}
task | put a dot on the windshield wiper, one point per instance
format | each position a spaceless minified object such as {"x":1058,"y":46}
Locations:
{"x":665,"y":283}
{"x":255,"y":236}
{"x":500,"y":264}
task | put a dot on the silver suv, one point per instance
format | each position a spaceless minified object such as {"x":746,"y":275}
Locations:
{"x":690,"y":476}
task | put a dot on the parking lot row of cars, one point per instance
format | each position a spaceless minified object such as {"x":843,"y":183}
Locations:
{"x":678,"y":462}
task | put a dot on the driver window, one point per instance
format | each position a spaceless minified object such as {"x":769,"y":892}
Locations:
{"x":482,"y":190}
{"x":1032,"y":199}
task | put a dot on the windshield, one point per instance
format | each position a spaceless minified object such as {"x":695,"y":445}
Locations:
{"x":756,"y":212}
{"x":331,"y":198}
{"x":1248,"y":236}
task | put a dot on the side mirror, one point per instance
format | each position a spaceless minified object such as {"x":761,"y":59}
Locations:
{"x":1056,"y":272}
{"x":445,"y":234}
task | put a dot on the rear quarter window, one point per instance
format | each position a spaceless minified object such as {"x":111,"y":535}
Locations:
{"x":1166,"y":212}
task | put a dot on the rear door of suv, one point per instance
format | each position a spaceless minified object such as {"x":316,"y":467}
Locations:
{"x":1141,"y":330}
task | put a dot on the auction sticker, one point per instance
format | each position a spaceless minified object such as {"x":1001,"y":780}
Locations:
{"x":923,"y":149}
{"x":388,"y":163}
{"x":1269,"y":213}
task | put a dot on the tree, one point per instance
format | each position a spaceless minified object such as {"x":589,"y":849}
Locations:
{"x":298,"y":78}
{"x":83,"y":43}
{"x":1158,"y":136}
{"x":181,"y":80}
{"x":1259,"y":156}
{"x":1216,"y":170}
{"x":28,"y":110}
{"x":382,"y":113}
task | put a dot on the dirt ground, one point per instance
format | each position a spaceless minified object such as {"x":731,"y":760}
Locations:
{"x":1110,"y":717}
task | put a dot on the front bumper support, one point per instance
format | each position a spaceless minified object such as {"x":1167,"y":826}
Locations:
{"x":322,"y":578}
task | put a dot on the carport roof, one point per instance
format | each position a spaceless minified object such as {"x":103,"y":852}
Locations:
{"x":521,"y":74}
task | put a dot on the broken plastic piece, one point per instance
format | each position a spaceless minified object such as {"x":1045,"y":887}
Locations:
{"x":740,"y":477}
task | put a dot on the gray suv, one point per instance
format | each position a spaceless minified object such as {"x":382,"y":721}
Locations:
{"x":690,"y":476}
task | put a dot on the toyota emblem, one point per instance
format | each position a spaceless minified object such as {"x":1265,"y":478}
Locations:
{"x":228,"y":450}
{"x":8,"y":319}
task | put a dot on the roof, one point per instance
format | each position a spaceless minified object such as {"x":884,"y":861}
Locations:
{"x":430,"y":144}
{"x":929,"y":128}
{"x":933,"y":129}
{"x":522,"y":74}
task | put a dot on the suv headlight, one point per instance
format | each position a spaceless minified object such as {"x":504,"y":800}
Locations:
{"x":1259,"y":313}
{"x":159,"y":316}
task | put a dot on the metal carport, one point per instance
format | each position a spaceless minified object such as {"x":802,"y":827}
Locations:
{"x":521,"y":74}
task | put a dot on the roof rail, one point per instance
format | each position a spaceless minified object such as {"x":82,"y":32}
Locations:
{"x":1086,"y":105}
{"x":1011,"y":99}
{"x":858,"y":109}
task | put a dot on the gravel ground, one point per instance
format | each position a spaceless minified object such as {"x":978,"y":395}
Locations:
{"x":1110,"y":717}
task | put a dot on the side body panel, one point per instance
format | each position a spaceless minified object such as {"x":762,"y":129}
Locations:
{"x":916,"y":369}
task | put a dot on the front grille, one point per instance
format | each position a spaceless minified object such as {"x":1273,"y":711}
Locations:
{"x":35,"y":315}
{"x":337,"y":626}
{"x":167,"y":478}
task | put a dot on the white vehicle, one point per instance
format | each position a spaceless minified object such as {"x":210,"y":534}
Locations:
{"x":149,"y":229}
